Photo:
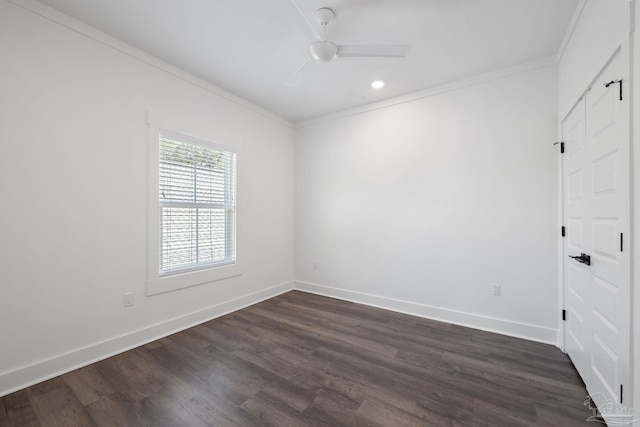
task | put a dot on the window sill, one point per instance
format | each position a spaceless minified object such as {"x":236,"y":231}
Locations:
{"x":193,"y":278}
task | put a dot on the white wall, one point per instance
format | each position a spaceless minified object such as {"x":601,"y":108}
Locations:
{"x":73,"y":186}
{"x":420,"y":206}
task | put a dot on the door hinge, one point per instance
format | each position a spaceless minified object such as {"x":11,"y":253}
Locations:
{"x":621,"y":242}
{"x":563,"y":231}
{"x":614,"y":82}
{"x":561,"y":146}
{"x":620,"y":393}
{"x":564,"y":314}
{"x":620,"y":81}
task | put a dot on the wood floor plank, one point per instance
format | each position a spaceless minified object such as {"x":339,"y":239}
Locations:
{"x":88,"y":384}
{"x":119,"y":410}
{"x":389,"y":415}
{"x":4,"y":416}
{"x":273,"y":412}
{"x":18,"y":410}
{"x":56,"y":405}
{"x":334,"y":413}
{"x":307,"y":360}
{"x":218,"y":411}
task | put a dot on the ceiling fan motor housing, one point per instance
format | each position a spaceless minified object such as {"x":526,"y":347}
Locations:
{"x":323,"y":51}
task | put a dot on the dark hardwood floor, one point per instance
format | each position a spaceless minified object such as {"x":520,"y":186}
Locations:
{"x":305,"y":360}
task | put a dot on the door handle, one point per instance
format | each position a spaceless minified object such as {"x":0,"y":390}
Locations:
{"x":583,"y":258}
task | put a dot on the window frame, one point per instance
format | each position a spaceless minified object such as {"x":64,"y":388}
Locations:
{"x":158,"y":282}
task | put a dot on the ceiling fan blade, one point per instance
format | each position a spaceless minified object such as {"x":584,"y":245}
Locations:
{"x":297,"y":77}
{"x":373,"y":51}
{"x":311,"y":27}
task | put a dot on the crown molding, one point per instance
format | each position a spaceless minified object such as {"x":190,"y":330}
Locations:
{"x":571,"y":29}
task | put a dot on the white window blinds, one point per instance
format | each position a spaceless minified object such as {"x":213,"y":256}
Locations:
{"x":197,"y":205}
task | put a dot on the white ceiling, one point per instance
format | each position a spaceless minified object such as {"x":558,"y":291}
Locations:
{"x":252,"y":47}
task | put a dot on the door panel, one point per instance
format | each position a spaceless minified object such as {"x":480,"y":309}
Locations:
{"x":574,"y":189}
{"x":604,"y":174}
{"x":606,"y":294}
{"x":605,"y":366}
{"x":606,"y":241}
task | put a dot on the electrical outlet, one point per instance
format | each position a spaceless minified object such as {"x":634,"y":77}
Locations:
{"x":496,"y":289}
{"x":315,"y":265}
{"x":128,"y":299}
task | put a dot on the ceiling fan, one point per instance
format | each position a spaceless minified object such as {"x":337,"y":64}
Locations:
{"x":324,"y":51}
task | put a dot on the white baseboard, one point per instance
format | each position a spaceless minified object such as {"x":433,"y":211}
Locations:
{"x":476,"y":321}
{"x":46,"y":369}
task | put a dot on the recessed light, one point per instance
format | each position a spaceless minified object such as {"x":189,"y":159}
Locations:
{"x":377,"y":84}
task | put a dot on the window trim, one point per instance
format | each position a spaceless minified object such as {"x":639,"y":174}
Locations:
{"x":160,"y":283}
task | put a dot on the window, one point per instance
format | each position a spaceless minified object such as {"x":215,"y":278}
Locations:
{"x":196,"y":205}
{"x":193,"y":236}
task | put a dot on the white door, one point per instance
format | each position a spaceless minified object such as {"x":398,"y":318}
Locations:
{"x":596,"y":168}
